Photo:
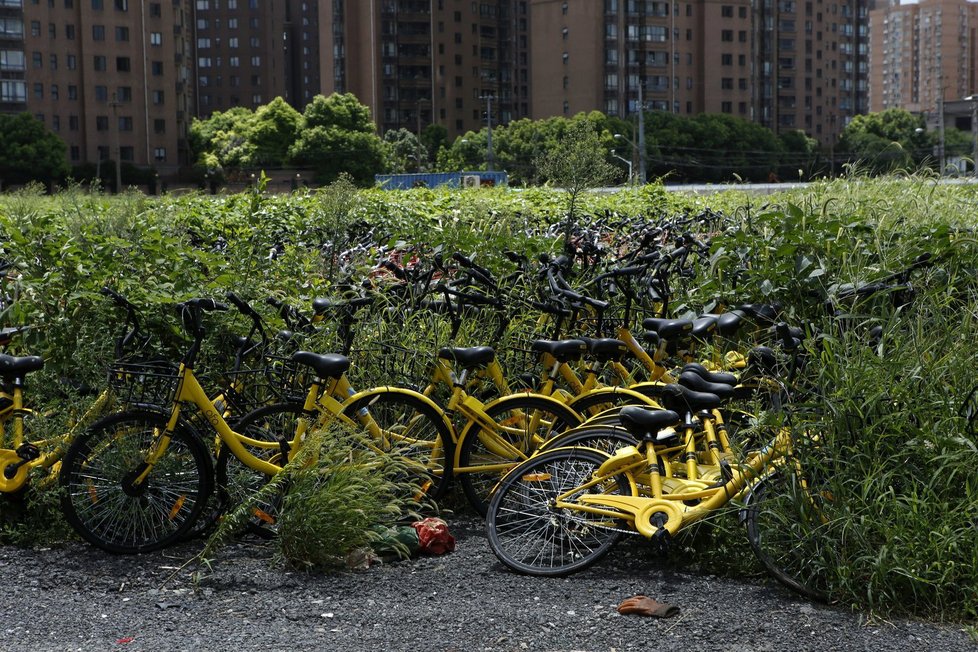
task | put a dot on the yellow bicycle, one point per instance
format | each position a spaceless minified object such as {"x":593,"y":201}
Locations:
{"x":139,"y":479}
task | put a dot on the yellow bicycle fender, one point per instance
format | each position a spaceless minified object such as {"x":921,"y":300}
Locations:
{"x":373,"y":391}
{"x":556,"y":405}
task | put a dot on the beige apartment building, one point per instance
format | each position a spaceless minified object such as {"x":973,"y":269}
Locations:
{"x":110,"y":77}
{"x":248,"y":52}
{"x":785,"y":64}
{"x":417,"y":62}
{"x":923,"y":54}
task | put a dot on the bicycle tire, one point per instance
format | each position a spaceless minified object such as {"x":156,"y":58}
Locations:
{"x":593,"y":404}
{"x":525,"y":421}
{"x":605,"y":438}
{"x":530,"y":536}
{"x":125,"y":520}
{"x":412,"y":430}
{"x":784,"y":522}
{"x":237,"y":482}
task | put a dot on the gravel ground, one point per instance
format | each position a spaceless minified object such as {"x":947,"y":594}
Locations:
{"x":78,"y":598}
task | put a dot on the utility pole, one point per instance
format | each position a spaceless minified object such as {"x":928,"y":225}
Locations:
{"x":488,"y":98}
{"x":118,"y":147}
{"x":940,"y":121}
{"x":641,"y":135}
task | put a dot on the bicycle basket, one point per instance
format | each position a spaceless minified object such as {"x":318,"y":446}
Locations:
{"x":279,"y":380}
{"x":144,"y":384}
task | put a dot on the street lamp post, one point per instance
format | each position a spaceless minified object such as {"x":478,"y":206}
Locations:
{"x":488,"y":98}
{"x":626,"y":162}
{"x":974,"y":134}
{"x":634,"y":150}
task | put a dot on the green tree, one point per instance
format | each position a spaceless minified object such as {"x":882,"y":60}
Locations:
{"x":340,"y":110}
{"x":885,"y":141}
{"x":576,"y":164}
{"x":339,"y":136}
{"x":405,"y":152}
{"x":710,"y":147}
{"x":29,"y":150}
{"x":273,"y":131}
{"x":223,"y":139}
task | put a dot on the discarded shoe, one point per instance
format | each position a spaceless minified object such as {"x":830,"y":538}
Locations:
{"x":642,"y":605}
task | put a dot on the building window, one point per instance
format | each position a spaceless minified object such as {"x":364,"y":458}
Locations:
{"x":726,"y":11}
{"x":70,"y":32}
{"x":157,"y":68}
{"x":156,"y":38}
{"x":35,"y":28}
{"x":122,"y":64}
{"x":159,"y":154}
{"x":158,"y":97}
{"x":726,"y":83}
{"x":98,"y":62}
{"x":124,"y":94}
{"x":127,"y":153}
{"x":203,"y":62}
{"x":234,"y":62}
{"x":38,"y":91}
{"x":71,"y":62}
{"x":75,"y":153}
{"x":102,"y":93}
{"x":52,"y":31}
{"x":233,"y":42}
{"x":13,"y":91}
{"x":726,"y":107}
{"x":726,"y":59}
{"x":122,"y":5}
{"x":53,"y":61}
{"x":256,"y":61}
{"x":726,"y":35}
{"x":159,"y":126}
{"x":37,"y":60}
{"x":97,"y":5}
{"x":54,"y":91}
{"x":98,"y":32}
{"x":72,"y":93}
{"x":256,"y":99}
{"x":203,"y":43}
{"x":125,"y":123}
{"x":155,"y":9}
{"x":101,"y":123}
{"x":11,"y":60}
{"x":121,"y":34}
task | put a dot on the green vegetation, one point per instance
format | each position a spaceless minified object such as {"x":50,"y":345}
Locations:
{"x":899,"y":458}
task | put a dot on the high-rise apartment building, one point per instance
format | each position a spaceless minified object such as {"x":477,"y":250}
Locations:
{"x":416,"y":62}
{"x":110,"y":77}
{"x":786,"y":64}
{"x":248,"y":52}
{"x":13,"y":60}
{"x":923,"y":54}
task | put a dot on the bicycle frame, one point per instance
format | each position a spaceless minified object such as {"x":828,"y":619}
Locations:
{"x":668,"y":507}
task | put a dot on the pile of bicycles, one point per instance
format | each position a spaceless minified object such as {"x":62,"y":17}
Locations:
{"x":564,"y":397}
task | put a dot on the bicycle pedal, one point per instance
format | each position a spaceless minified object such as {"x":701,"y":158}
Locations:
{"x":661,"y":541}
{"x":28,"y":452}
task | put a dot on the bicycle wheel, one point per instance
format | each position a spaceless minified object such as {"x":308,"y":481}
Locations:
{"x":606,"y":439}
{"x":530,"y":535}
{"x":784,"y":520}
{"x":102,"y":503}
{"x":592,"y":404}
{"x":523,"y":423}
{"x":237,"y":483}
{"x":404,"y":425}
